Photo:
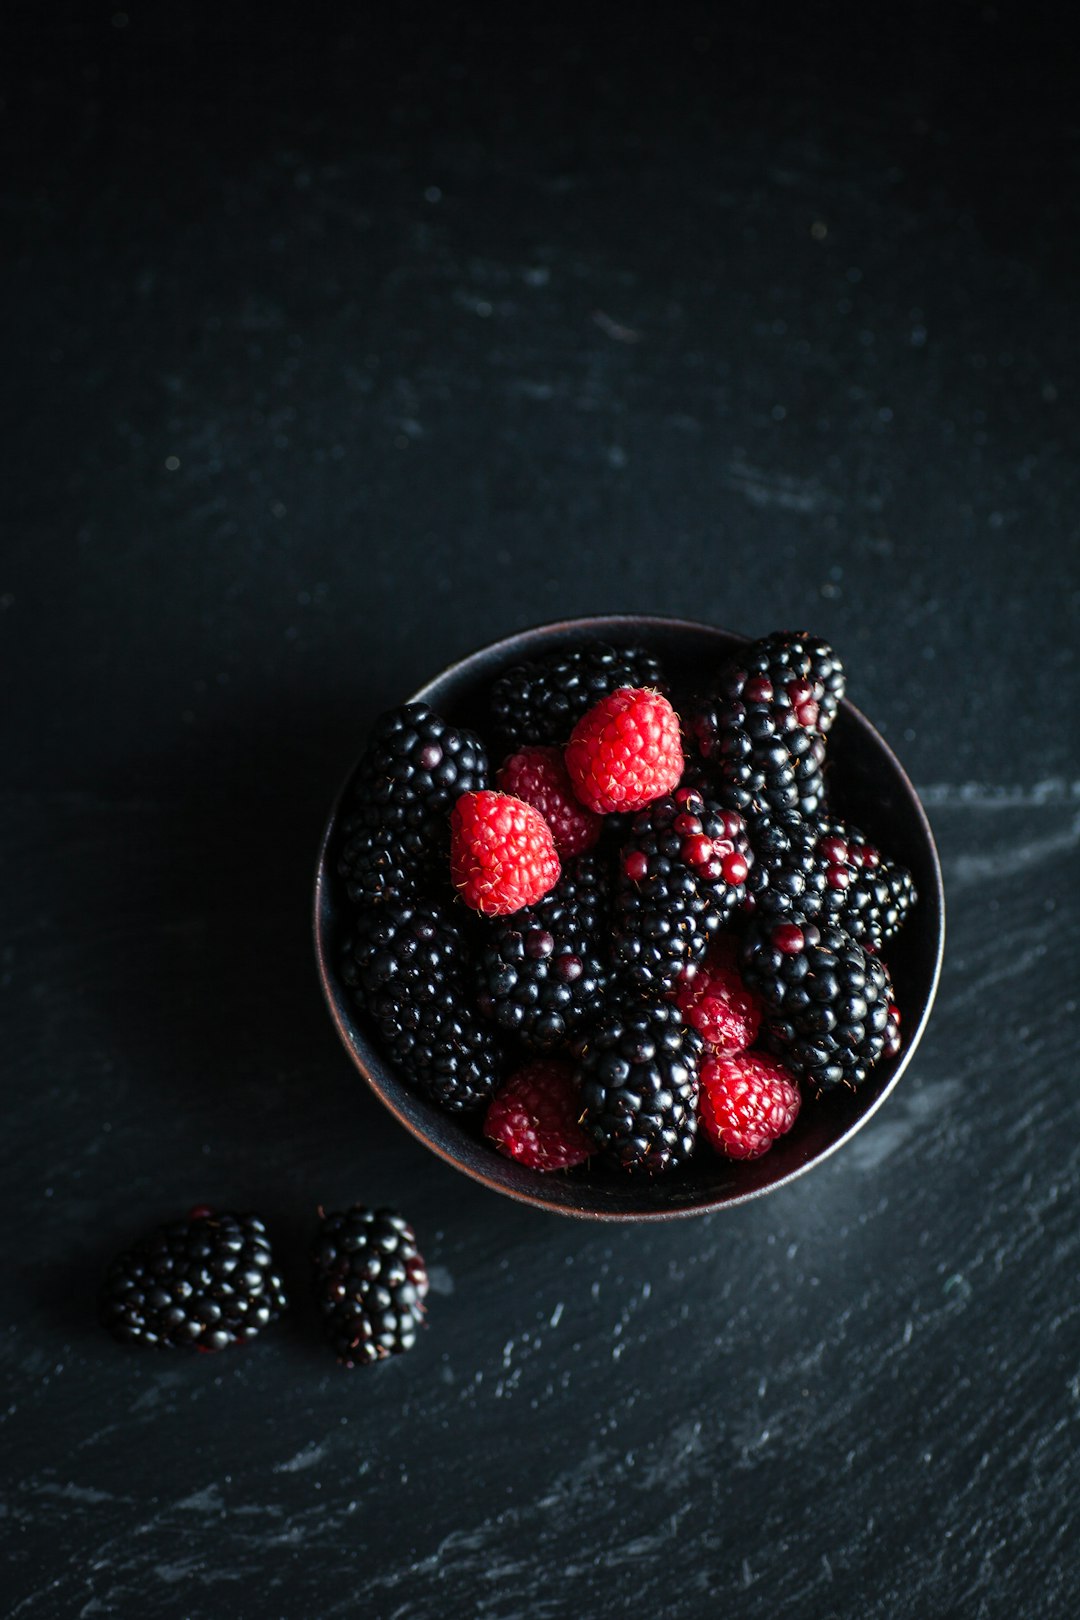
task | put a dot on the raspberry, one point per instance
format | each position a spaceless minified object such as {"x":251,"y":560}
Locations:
{"x":539,"y":776}
{"x":714,"y":1000}
{"x":626,"y":751}
{"x":747,"y":1101}
{"x":502,"y":854}
{"x":534,"y":1118}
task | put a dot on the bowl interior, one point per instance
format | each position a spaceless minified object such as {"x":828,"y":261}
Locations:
{"x":867,"y":786}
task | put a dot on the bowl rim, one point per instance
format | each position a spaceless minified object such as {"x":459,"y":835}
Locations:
{"x":598,"y":625}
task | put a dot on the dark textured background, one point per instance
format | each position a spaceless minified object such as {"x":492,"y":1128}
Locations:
{"x":334,"y":347}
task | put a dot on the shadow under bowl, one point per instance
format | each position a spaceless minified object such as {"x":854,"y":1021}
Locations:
{"x":867,"y":787}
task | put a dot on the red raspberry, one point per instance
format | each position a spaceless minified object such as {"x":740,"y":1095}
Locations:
{"x":714,"y":1000}
{"x":534,"y":1118}
{"x":502,"y":854}
{"x":626,"y":751}
{"x":746,"y":1103}
{"x":539,"y":776}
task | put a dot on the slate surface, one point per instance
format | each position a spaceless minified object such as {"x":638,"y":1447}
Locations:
{"x":333,"y":349}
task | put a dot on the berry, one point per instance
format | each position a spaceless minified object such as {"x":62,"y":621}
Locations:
{"x":681,"y":875}
{"x":370,"y":1283}
{"x":203,"y":1283}
{"x":827,"y":872}
{"x":638,"y":1085}
{"x":541,"y":702}
{"x":747,"y":1101}
{"x":408,"y":966}
{"x":502,"y":854}
{"x":827,"y":1006}
{"x":540,"y":971}
{"x":626,"y":751}
{"x":396,"y":827}
{"x":764,"y":730}
{"x":539,"y":776}
{"x":714,"y":1000}
{"x":534,"y":1118}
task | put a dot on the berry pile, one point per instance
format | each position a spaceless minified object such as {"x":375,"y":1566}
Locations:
{"x":646,"y":919}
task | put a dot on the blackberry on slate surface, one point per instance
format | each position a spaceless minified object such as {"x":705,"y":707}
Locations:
{"x":541,"y":971}
{"x":829,"y":873}
{"x":681,"y":876}
{"x":764,"y":727}
{"x":370,"y":1283}
{"x":637,"y":1069}
{"x":409,"y":966}
{"x":203,"y":1283}
{"x":828,"y":1002}
{"x":541,"y":702}
{"x":396,"y":826}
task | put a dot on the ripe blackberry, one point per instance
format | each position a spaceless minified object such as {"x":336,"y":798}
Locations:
{"x":396,"y":828}
{"x":681,"y":876}
{"x":409,"y":966}
{"x":203,"y":1283}
{"x":764,"y":727}
{"x":828,"y":1002}
{"x":541,"y":702}
{"x":637,"y":1069}
{"x":829,"y":873}
{"x":540,"y":971}
{"x":370,"y":1283}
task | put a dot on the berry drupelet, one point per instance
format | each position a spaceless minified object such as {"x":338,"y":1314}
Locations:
{"x":370,"y":1283}
{"x":396,"y":828}
{"x":681,"y":876}
{"x":541,"y":972}
{"x":203,"y":1283}
{"x":408,"y":965}
{"x":637,"y":1074}
{"x":829,"y":1004}
{"x":541,"y":702}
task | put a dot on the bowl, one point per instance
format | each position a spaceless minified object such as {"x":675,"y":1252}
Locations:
{"x":868,"y":787}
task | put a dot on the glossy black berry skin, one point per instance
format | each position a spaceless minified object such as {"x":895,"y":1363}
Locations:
{"x":395,"y":830}
{"x":410,"y":967}
{"x":542,"y":971}
{"x":675,"y":886}
{"x":204,"y":1283}
{"x":370,"y":1284}
{"x":829,"y":873}
{"x":637,"y":1071}
{"x":541,"y":702}
{"x":764,"y":727}
{"x":827,"y":1001}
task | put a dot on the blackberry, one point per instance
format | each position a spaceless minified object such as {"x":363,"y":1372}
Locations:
{"x":681,"y":876}
{"x":764,"y":727}
{"x":541,"y":702}
{"x":370,"y":1283}
{"x":540,"y":970}
{"x":396,"y":829}
{"x":829,"y":873}
{"x":203,"y":1283}
{"x":828,"y":1002}
{"x":637,"y":1069}
{"x":408,"y":964}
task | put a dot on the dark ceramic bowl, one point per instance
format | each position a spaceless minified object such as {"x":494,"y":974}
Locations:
{"x":867,"y":787}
